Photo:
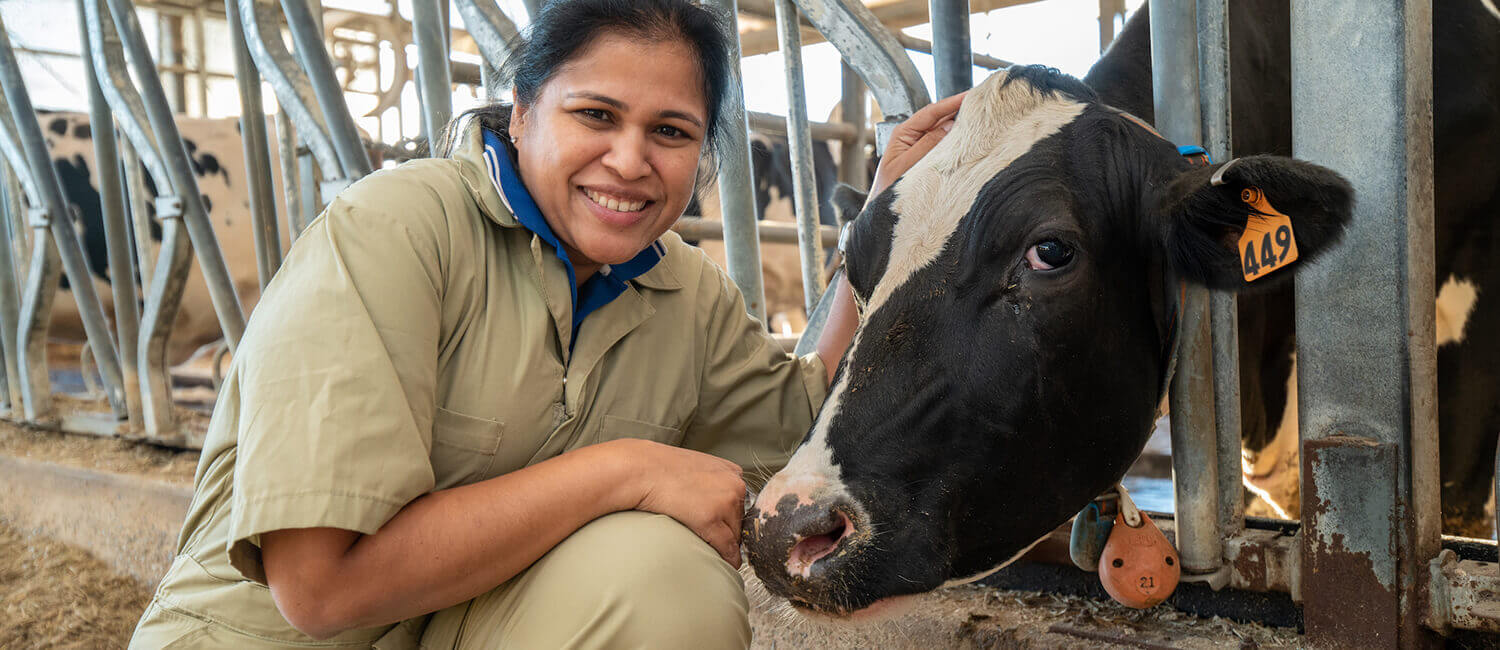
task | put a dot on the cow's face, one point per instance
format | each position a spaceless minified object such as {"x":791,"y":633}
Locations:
{"x":1015,"y":311}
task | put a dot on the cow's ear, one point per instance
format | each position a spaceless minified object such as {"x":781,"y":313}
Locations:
{"x":847,"y":201}
{"x":1201,"y":217}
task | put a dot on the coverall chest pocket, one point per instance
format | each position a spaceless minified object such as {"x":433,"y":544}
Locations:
{"x":613,"y":427}
{"x":463,"y":447}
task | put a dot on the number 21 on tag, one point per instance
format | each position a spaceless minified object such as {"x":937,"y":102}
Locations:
{"x":1268,"y":243}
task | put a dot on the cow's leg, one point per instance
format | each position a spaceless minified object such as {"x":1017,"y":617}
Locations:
{"x":630,"y":580}
{"x":1469,"y":416}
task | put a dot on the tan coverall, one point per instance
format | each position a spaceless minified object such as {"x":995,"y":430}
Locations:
{"x":415,"y":339}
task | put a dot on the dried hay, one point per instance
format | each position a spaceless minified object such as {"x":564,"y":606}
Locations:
{"x":57,"y":596}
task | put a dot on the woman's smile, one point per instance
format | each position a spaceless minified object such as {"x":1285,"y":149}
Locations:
{"x":620,"y":208}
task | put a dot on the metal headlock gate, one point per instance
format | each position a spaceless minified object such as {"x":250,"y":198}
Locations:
{"x":1367,"y":563}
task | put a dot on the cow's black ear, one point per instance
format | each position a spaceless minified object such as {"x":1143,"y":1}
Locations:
{"x":1200,"y":218}
{"x":848,"y":201}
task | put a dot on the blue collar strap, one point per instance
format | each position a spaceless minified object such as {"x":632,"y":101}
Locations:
{"x":605,"y":285}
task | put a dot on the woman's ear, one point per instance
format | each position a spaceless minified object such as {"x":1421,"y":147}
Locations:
{"x":517,"y":124}
{"x":1248,"y":223}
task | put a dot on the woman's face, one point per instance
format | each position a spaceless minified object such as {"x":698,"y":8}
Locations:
{"x":610,"y":147}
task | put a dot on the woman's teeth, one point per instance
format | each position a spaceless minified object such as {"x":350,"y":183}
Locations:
{"x":614,"y":203}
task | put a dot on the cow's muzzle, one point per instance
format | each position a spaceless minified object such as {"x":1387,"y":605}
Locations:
{"x":795,"y":546}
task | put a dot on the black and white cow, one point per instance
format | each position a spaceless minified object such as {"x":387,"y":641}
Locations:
{"x":1013,"y":327}
{"x":1015,"y":315}
{"x":1466,"y":115}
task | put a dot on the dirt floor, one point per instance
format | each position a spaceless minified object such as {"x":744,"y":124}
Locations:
{"x":57,"y":596}
{"x":93,"y":452}
{"x":981,"y":617}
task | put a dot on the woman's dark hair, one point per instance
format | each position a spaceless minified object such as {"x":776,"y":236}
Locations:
{"x":563,"y":29}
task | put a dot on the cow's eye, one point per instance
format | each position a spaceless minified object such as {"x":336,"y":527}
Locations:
{"x":1049,"y":254}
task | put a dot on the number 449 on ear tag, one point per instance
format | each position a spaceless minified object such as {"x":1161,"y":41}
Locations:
{"x":1268,"y":243}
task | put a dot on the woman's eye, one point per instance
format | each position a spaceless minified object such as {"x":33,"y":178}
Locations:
{"x":1049,"y":254}
{"x":596,"y":114}
{"x":671,"y":131}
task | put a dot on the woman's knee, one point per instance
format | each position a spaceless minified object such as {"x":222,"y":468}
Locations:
{"x":630,"y":579}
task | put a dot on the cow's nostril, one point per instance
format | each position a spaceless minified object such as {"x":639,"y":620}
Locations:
{"x":814,"y":544}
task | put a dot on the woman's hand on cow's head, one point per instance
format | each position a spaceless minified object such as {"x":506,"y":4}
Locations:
{"x":703,"y":492}
{"x":913,"y":138}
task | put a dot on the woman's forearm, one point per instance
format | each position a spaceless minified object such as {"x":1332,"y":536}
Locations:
{"x":838,"y":330}
{"x":443,"y":548}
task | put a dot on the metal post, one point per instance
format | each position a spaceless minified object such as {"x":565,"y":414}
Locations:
{"x":201,"y":64}
{"x":10,"y":294}
{"x":174,"y":154}
{"x":852,"y":112}
{"x":1214,"y":100}
{"x":140,"y":218}
{"x":1366,"y":351}
{"x":116,"y":241}
{"x":257,"y":150}
{"x":291,"y":191}
{"x":169,"y":44}
{"x":952,"y":55}
{"x":804,"y":186}
{"x":1174,"y":62}
{"x":736,"y":185}
{"x":61,"y":224}
{"x":435,"y":82}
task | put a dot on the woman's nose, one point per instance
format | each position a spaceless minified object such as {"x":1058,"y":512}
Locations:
{"x":627,"y":157}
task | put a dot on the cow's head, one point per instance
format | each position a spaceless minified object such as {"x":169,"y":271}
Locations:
{"x":1015,"y":310}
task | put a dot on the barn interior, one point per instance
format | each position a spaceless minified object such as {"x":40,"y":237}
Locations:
{"x":99,"y":434}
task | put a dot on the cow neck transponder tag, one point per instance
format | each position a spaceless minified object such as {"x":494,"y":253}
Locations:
{"x":1267,"y":243}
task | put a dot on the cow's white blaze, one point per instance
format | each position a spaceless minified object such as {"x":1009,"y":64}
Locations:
{"x":995,"y":126}
{"x":1455,"y":302}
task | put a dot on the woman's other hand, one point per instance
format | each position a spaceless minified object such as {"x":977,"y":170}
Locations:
{"x":705,"y":493}
{"x":913,"y":138}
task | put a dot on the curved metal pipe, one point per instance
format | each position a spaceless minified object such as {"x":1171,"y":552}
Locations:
{"x":314,"y":56}
{"x":292,"y":88}
{"x":89,"y":309}
{"x":874,"y":53}
{"x":108,"y":57}
{"x":493,"y":32}
{"x":205,"y":243}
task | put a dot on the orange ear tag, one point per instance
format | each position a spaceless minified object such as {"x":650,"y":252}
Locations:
{"x":1139,"y":567}
{"x":1268,"y":243}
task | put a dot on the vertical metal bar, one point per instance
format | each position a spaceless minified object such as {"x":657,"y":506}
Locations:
{"x":257,"y":150}
{"x":1174,"y":62}
{"x":174,"y":153}
{"x":1214,"y":102}
{"x":1366,"y":351}
{"x":852,"y":112}
{"x":10,"y":294}
{"x":435,"y":82}
{"x":169,"y":45}
{"x":291,"y":192}
{"x":201,"y":64}
{"x":61,"y":224}
{"x":804,"y":186}
{"x":307,"y":34}
{"x":736,"y":185}
{"x":952,"y":55}
{"x":116,"y":241}
{"x":140,"y":218}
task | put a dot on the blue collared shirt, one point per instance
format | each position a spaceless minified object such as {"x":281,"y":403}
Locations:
{"x":606,"y":284}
